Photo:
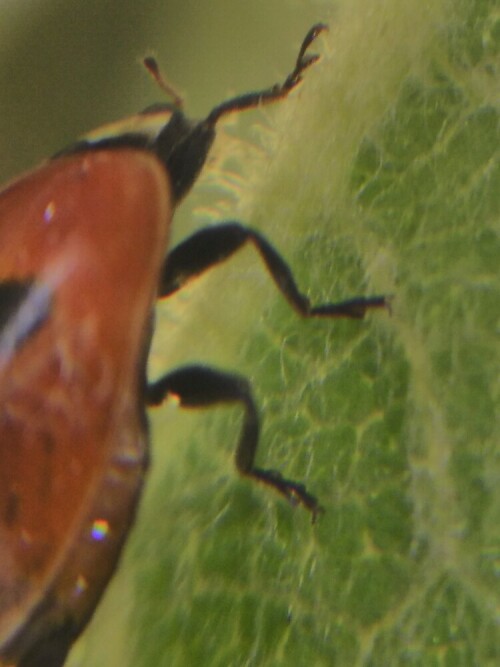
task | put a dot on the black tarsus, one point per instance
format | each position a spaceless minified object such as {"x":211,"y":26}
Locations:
{"x":199,"y":386}
{"x":212,"y":245}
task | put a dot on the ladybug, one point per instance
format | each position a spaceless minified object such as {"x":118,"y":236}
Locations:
{"x":83,"y":257}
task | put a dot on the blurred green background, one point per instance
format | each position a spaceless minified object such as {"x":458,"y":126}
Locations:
{"x":380,"y":175}
{"x":67,"y":67}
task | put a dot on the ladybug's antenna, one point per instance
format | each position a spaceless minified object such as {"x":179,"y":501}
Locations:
{"x":152,"y":66}
{"x":276,"y":92}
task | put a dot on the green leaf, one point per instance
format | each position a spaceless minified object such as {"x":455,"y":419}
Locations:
{"x":382,"y":175}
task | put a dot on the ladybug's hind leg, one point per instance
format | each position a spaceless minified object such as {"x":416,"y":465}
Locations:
{"x":201,"y":386}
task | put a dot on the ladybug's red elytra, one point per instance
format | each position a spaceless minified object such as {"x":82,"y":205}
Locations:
{"x":83,"y":258}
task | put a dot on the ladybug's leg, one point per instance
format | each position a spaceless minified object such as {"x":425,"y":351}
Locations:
{"x":213,"y":245}
{"x":200,"y":386}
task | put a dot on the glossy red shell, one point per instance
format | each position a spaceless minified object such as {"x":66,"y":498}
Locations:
{"x":93,"y":228}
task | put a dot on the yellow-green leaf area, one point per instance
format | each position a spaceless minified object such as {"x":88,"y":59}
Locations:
{"x":382,"y":176}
